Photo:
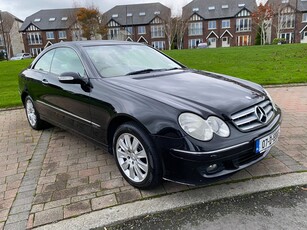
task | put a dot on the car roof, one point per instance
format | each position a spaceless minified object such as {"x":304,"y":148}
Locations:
{"x":95,"y":43}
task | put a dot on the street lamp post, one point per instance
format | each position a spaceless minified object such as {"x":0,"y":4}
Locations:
{"x":3,"y":34}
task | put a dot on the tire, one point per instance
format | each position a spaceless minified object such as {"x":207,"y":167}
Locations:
{"x":136,"y":157}
{"x":33,"y":116}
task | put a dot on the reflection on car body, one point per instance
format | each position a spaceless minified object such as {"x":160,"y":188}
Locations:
{"x":158,"y":118}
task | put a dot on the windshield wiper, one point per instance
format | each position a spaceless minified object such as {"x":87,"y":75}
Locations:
{"x":141,"y":71}
{"x":149,"y":70}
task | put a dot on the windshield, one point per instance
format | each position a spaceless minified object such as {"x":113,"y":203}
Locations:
{"x":119,"y":60}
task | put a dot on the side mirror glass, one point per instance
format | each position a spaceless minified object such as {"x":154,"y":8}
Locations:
{"x":71,"y":78}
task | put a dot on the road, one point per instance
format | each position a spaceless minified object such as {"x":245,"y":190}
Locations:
{"x":282,"y":209}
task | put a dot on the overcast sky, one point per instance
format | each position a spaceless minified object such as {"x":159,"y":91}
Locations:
{"x":24,"y":8}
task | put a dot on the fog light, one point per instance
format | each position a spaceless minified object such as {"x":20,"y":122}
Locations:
{"x":212,"y":168}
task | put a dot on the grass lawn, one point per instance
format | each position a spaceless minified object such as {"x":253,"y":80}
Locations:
{"x":9,"y":70}
{"x":262,"y":64}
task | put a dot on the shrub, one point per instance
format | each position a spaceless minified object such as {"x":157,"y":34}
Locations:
{"x":279,"y":41}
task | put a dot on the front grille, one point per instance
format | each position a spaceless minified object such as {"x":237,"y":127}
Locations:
{"x":247,"y":119}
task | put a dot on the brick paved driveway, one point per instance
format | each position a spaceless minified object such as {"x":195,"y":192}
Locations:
{"x":51,"y":175}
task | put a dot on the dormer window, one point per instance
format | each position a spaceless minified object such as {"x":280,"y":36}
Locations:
{"x":224,"y":6}
{"x":241,"y":5}
{"x":195,"y":9}
{"x":51,"y":19}
{"x":129,"y":15}
{"x":284,"y":1}
{"x":37,"y":20}
{"x":142,"y":14}
{"x":157,"y":12}
{"x":211,"y":8}
{"x":64,"y":18}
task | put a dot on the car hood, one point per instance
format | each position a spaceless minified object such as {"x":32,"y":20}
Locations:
{"x":198,"y":91}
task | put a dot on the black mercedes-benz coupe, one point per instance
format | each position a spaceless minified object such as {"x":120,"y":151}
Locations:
{"x":158,"y":118}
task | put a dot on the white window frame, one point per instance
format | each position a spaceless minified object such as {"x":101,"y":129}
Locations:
{"x":195,"y":28}
{"x":243,"y":24}
{"x":141,"y":29}
{"x":62,"y":34}
{"x":304,"y":17}
{"x":225,"y":24}
{"x":160,"y":45}
{"x":34,"y":38}
{"x":113,"y":33}
{"x":212,"y":25}
{"x":50,"y":35}
{"x":157,"y":31}
{"x":35,"y":51}
{"x":192,"y":43}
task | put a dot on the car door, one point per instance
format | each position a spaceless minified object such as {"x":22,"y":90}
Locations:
{"x":64,"y":104}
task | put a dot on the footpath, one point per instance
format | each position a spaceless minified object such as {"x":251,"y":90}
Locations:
{"x":54,"y":180}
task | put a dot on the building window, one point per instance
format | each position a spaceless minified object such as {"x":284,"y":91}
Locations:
{"x":34,"y":38}
{"x":212,"y":25}
{"x":284,"y":1}
{"x":35,"y":51}
{"x":195,"y":28}
{"x":141,"y":30}
{"x":113,"y":33}
{"x":1,"y":40}
{"x":226,"y":24}
{"x":243,"y":24}
{"x":160,"y":45}
{"x":129,"y":30}
{"x":193,"y":43}
{"x":287,"y":21}
{"x":243,"y":40}
{"x":157,"y":31}
{"x":49,"y":35}
{"x":304,"y":17}
{"x":62,"y":34}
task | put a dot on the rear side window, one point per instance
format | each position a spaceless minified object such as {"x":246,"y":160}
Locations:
{"x":44,"y":62}
{"x":66,"y":60}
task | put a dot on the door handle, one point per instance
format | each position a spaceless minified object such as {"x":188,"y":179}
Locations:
{"x":45,"y":82}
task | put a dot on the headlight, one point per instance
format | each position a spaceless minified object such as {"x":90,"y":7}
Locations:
{"x":270,"y":98}
{"x":201,"y":129}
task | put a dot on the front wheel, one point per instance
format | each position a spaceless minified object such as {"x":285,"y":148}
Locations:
{"x":32,"y":115}
{"x":136,"y":157}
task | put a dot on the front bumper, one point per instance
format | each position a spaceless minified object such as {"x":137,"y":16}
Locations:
{"x":185,"y":165}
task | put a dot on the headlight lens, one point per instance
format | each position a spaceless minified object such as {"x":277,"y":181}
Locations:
{"x":270,"y":98}
{"x":202,"y":129}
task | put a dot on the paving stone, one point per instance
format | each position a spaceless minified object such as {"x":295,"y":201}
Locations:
{"x":37,"y":208}
{"x":14,"y":218}
{"x":42,"y":198}
{"x":103,"y":202}
{"x":16,"y":226}
{"x":57,"y":203}
{"x":21,"y":208}
{"x":77,"y":209}
{"x":128,"y":196}
{"x":62,"y":194}
{"x":89,"y":188}
{"x":48,"y":216}
{"x":112,"y":183}
{"x":82,"y":197}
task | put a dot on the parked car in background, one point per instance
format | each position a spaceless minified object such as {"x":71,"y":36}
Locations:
{"x":202,"y":45}
{"x":158,"y":118}
{"x":21,"y":56}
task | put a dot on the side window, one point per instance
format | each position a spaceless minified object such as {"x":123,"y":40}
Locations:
{"x":44,"y":62}
{"x":66,"y":60}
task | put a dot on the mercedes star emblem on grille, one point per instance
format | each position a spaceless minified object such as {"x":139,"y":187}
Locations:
{"x":261,"y":115}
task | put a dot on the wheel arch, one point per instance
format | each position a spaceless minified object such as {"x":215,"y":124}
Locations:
{"x":118,"y":121}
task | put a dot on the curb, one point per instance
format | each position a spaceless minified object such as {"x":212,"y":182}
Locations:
{"x":184,"y":199}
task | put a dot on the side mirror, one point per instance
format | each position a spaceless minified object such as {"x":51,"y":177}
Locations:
{"x":71,"y":78}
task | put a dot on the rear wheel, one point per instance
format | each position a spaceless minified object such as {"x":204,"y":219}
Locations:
{"x":32,"y":115}
{"x":136,"y":157}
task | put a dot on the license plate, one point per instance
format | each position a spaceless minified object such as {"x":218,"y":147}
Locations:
{"x":266,"y":142}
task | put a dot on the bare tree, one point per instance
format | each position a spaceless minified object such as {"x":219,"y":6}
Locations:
{"x":171,"y":30}
{"x":263,"y":19}
{"x":182,"y":28}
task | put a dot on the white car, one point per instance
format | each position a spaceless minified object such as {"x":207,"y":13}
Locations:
{"x":21,"y":56}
